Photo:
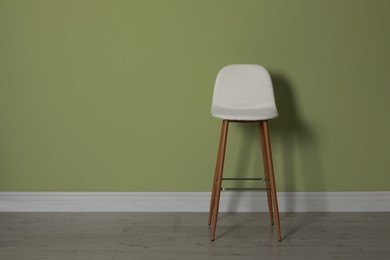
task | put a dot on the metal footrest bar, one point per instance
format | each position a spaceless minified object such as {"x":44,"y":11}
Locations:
{"x":244,"y":179}
{"x":223,"y":189}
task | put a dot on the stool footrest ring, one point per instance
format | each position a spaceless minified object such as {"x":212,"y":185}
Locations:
{"x":244,"y":179}
{"x":224,"y":189}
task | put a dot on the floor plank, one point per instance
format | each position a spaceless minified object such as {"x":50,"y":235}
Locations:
{"x":247,"y":236}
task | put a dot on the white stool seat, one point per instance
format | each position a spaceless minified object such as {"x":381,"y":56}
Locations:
{"x":243,"y":92}
{"x":242,"y":112}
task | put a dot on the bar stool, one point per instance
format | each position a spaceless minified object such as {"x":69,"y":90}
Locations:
{"x":243,"y":93}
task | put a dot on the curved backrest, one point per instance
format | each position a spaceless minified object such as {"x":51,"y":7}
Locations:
{"x":243,"y":92}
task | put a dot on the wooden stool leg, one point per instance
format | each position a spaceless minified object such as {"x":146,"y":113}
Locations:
{"x":215,"y":180}
{"x":271,"y":177}
{"x":219,"y":173}
{"x":213,"y":193}
{"x":266,"y":173}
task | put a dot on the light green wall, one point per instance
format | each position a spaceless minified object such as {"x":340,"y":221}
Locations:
{"x":115,"y":95}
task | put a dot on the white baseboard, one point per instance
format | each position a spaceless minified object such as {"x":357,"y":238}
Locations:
{"x":191,"y":201}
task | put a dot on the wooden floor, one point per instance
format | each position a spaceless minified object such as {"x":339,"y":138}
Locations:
{"x":160,"y":236}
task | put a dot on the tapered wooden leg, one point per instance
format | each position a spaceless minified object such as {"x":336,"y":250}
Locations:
{"x":219,"y":173}
{"x":271,"y":177}
{"x":221,"y":141}
{"x":213,"y":193}
{"x":266,"y":173}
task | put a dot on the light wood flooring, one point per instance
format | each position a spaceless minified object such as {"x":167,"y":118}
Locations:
{"x":160,"y":236}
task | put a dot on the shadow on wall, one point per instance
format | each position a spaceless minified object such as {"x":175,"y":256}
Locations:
{"x":298,"y":150}
{"x":299,"y":146}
